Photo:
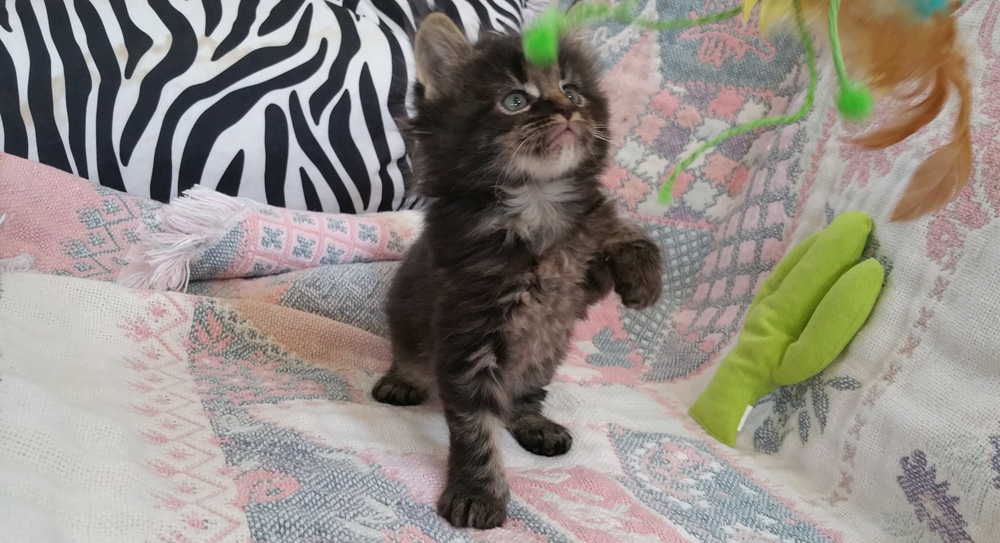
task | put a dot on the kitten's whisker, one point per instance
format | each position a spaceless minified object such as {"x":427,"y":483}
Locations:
{"x":510,"y":159}
{"x":604,"y":137}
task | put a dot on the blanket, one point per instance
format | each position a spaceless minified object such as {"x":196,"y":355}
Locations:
{"x":239,"y":409}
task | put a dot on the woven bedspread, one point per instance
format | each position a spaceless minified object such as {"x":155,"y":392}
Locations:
{"x":239,"y":410}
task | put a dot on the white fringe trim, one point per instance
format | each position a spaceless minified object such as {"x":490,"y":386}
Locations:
{"x":20,"y":263}
{"x":191,"y":224}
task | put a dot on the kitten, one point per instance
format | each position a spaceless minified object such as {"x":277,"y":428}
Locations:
{"x":519,"y":240}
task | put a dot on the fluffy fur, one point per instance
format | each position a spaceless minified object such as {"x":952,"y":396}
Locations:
{"x":519,"y":240}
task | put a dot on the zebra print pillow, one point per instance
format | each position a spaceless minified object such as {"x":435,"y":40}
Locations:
{"x":288,"y":102}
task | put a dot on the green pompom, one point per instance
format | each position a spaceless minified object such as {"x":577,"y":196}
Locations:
{"x":541,"y":39}
{"x":855,"y":102}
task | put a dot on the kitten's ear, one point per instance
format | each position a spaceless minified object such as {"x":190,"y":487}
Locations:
{"x":438,"y":47}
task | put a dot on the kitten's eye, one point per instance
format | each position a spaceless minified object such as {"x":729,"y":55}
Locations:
{"x":515,"y":101}
{"x":573,"y":94}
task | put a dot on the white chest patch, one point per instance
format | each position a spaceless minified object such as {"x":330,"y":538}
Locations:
{"x":539,"y":211}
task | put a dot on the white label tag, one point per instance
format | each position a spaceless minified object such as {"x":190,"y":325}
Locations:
{"x":744,"y":419}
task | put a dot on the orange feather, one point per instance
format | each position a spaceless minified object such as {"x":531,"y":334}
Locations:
{"x":906,"y":58}
{"x":919,"y":115}
{"x":946,"y":172}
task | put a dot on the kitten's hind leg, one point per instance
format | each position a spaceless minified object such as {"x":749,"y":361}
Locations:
{"x":394,"y":388}
{"x":535,"y":432}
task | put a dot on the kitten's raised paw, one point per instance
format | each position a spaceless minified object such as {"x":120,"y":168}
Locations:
{"x":470,"y":508}
{"x":541,"y":436}
{"x":393,"y":390}
{"x":638,"y":273}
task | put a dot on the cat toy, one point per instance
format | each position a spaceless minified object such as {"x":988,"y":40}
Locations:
{"x":804,"y":315}
{"x":913,"y":41}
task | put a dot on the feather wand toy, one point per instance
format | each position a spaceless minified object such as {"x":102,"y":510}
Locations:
{"x":914,"y":26}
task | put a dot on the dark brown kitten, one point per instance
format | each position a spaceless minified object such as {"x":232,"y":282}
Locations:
{"x":519,"y":241}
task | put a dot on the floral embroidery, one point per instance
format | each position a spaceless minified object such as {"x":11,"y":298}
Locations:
{"x":933,"y":506}
{"x":791,"y":403}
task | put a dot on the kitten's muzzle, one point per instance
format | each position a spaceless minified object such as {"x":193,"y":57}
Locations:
{"x":564,"y":132}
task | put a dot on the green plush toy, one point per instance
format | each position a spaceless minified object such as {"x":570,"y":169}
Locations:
{"x":805,"y":314}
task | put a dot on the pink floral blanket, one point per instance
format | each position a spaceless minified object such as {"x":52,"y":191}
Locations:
{"x":228,"y":399}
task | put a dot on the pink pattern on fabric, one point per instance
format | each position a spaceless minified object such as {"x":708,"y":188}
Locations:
{"x":632,"y":100}
{"x":85,"y":231}
{"x":751,"y":220}
{"x":649,"y":128}
{"x":775,"y":213}
{"x":747,"y":250}
{"x":592,"y":506}
{"x":726,"y":104}
{"x":738,"y":180}
{"x":730,"y":40}
{"x":725,"y":258}
{"x":772,"y":250}
{"x":262,"y":486}
{"x":719,"y":288}
{"x":779,"y":180}
{"x":706,"y":316}
{"x":948,"y":228}
{"x":741,"y":285}
{"x":614,"y":177}
{"x":250,"y":380}
{"x":701,"y":292}
{"x":98,"y":233}
{"x":728,"y":317}
{"x":292,"y":240}
{"x":604,"y":316}
{"x":666,"y":102}
{"x":684,"y":180}
{"x":187,"y":448}
{"x":788,"y":137}
{"x":406,"y":534}
{"x":688,"y":116}
{"x":719,"y":169}
{"x":863,"y":165}
{"x":423,"y":477}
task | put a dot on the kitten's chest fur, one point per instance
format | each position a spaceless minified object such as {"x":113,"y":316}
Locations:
{"x":547,"y":299}
{"x":542,"y":215}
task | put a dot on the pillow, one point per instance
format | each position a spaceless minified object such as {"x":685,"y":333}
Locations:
{"x":286,"y":102}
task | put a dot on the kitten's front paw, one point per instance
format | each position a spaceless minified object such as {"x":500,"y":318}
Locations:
{"x":393,"y":390}
{"x":468,"y":507}
{"x":541,"y":436}
{"x":638,"y":273}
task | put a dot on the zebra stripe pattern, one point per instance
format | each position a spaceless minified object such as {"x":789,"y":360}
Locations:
{"x":288,"y":102}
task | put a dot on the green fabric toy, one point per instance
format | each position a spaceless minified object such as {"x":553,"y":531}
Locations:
{"x":805,"y":314}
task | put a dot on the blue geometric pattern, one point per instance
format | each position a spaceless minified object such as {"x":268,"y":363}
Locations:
{"x":683,"y":253}
{"x":684,"y":481}
{"x":101,"y":253}
{"x":349,"y":293}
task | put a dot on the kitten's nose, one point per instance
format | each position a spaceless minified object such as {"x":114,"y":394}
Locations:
{"x":565,"y":108}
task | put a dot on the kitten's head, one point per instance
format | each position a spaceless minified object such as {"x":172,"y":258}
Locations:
{"x":487,"y":119}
